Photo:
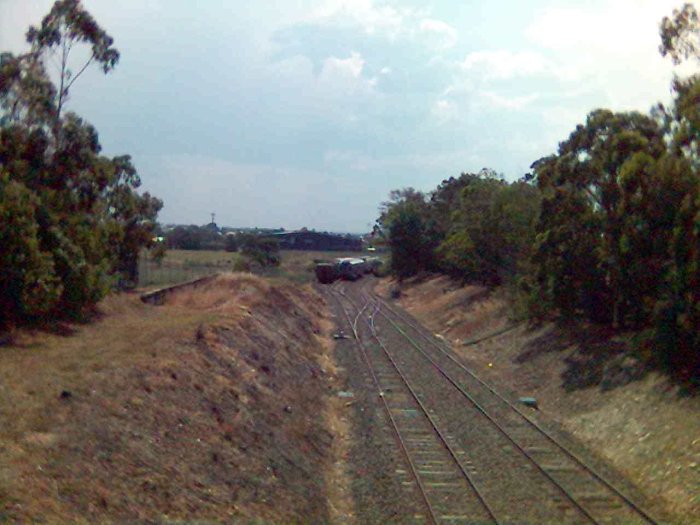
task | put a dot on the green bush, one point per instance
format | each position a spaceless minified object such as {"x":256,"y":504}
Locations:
{"x":260,"y":250}
{"x":29,"y":286}
{"x":242,"y":264}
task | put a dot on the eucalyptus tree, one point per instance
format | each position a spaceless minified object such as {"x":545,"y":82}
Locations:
{"x":78,"y":220}
{"x":677,"y":313}
{"x":407,"y":227}
{"x":582,"y":250}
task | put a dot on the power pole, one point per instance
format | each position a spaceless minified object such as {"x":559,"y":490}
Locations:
{"x":212,"y":217}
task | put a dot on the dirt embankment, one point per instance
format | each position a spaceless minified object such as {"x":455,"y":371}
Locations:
{"x":216,"y":406}
{"x":584,"y":379}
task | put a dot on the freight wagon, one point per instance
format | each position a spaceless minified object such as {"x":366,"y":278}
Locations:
{"x":348,"y":268}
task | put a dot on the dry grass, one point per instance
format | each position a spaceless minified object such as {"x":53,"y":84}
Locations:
{"x":640,"y":424}
{"x":457,"y":313}
{"x":208,"y":408}
{"x":179,"y":266}
{"x":338,"y":478}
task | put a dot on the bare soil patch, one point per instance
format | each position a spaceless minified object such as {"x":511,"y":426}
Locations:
{"x":213,"y":407}
{"x":583,"y":378}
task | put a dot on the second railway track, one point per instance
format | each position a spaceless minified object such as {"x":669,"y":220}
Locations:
{"x":497,"y":466}
{"x":434,"y":472}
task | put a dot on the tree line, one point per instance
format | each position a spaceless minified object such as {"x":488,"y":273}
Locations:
{"x":258,"y":248}
{"x":72,"y":221}
{"x":607,"y":229}
{"x":195,"y":237}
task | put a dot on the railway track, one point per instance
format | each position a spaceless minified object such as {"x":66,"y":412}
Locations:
{"x":559,"y":461}
{"x":500,"y":466}
{"x":435,"y":472}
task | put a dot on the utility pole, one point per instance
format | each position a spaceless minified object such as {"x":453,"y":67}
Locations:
{"x":212,"y":217}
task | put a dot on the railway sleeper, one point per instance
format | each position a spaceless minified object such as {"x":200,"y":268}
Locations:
{"x":434,"y":462}
{"x":454,"y":518}
{"x":599,"y":500}
{"x":567,"y":468}
{"x":442,"y":485}
{"x":439,"y":473}
{"x":534,"y":449}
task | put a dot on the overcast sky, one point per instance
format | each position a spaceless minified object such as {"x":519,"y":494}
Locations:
{"x":307,"y":113}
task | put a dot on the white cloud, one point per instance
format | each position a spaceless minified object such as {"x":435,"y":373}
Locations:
{"x":617,"y":27}
{"x":504,"y":64}
{"x":516,"y":102}
{"x":443,"y":110}
{"x":370,"y":16}
{"x":351,"y":66}
{"x":612,"y":48}
{"x":341,"y":82}
{"x":340,"y":92}
{"x":442,"y":35}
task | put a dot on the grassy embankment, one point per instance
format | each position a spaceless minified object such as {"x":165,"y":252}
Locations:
{"x":189,"y":411}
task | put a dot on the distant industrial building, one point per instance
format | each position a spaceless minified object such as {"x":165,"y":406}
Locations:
{"x":310,"y":240}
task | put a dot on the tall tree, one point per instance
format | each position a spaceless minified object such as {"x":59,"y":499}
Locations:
{"x":67,"y":25}
{"x":490,"y":229}
{"x":406,"y":225}
{"x":680,"y":34}
{"x":80,"y":220}
{"x":677,"y":312}
{"x":583,"y":216}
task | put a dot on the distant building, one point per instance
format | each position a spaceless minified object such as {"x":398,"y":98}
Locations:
{"x":212,"y":228}
{"x":309,"y":240}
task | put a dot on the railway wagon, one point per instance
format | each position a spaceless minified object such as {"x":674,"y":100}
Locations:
{"x":326,"y":272}
{"x":372,"y":264}
{"x":348,"y":268}
{"x":351,"y":269}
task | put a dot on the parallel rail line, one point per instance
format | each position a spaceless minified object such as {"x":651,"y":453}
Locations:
{"x":558,"y":446}
{"x":395,"y":429}
{"x":454,"y":501}
{"x":441,"y":435}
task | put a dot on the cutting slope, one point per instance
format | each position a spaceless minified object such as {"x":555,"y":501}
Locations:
{"x":211,"y":407}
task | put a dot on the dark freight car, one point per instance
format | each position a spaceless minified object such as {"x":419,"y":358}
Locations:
{"x":347,"y":268}
{"x":326,"y":273}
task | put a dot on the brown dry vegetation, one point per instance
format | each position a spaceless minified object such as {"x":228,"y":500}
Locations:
{"x":212,"y":407}
{"x":584,"y":379}
{"x":179,"y":266}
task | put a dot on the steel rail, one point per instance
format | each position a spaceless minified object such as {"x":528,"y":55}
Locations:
{"x":572,"y":455}
{"x":377,"y":384}
{"x":452,"y":452}
{"x":357,"y":317}
{"x":500,"y":428}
